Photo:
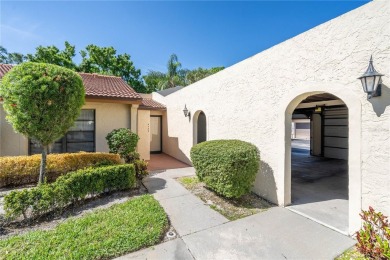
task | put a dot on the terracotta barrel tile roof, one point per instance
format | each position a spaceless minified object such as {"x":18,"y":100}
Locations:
{"x":4,"y":68}
{"x":150,"y":104}
{"x":99,"y":86}
{"x":107,"y":86}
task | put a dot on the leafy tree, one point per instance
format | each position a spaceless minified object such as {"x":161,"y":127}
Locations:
{"x":152,"y":80}
{"x":10,"y":58}
{"x":175,"y":76}
{"x":104,"y":60}
{"x":95,"y":59}
{"x":42,"y":101}
{"x":52,"y":55}
{"x":200,"y":73}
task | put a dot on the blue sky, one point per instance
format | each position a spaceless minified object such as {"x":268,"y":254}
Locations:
{"x":202,"y":34}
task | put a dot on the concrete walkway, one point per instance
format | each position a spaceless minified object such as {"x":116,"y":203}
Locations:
{"x":205,"y":234}
{"x":319,"y":187}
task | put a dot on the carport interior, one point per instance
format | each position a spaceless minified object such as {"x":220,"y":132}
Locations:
{"x":319,"y":162}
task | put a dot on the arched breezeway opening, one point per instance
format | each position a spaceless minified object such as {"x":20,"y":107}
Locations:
{"x":319,"y":160}
{"x":322,"y":176}
{"x":200,"y":127}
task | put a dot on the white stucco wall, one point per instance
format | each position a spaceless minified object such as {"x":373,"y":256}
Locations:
{"x":253,"y":99}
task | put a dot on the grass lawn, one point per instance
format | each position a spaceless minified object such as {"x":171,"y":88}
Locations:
{"x":232,"y":209}
{"x":104,"y":233}
{"x":351,"y":254}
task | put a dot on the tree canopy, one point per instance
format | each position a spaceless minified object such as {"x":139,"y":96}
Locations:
{"x":42,"y":101}
{"x":175,"y":76}
{"x":10,"y":57}
{"x":104,"y":60}
{"x":52,"y":55}
{"x":200,"y":73}
{"x":95,"y":59}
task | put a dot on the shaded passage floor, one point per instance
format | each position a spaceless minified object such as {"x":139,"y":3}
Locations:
{"x":162,"y":161}
{"x":319,"y":188}
{"x":205,"y":234}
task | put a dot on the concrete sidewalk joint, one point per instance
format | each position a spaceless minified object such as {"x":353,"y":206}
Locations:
{"x":277,"y":233}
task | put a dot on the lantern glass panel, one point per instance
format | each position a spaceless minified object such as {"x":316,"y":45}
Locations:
{"x":377,"y":79}
{"x":370,"y":81}
{"x":364,"y":84}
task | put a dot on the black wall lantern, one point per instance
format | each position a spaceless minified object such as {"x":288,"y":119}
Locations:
{"x":371,"y":81}
{"x":185,"y":111}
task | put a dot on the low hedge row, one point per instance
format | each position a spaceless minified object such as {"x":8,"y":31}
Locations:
{"x":228,"y":167}
{"x":20,"y":170}
{"x":67,"y":189}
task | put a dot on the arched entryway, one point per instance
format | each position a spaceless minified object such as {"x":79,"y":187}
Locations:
{"x":200,"y":127}
{"x":319,"y":160}
{"x":323,"y":110}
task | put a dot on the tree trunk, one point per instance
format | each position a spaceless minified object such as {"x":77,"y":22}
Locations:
{"x":43,"y":165}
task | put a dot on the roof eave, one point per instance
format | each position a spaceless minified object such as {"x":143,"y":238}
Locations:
{"x":108,"y":99}
{"x":152,"y":108}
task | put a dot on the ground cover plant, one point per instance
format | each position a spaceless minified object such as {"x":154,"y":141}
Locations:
{"x":374,"y":237}
{"x":352,"y":254}
{"x":103,"y":234}
{"x":42,"y":101}
{"x":228,"y":167}
{"x":20,"y":170}
{"x":68,"y":189}
{"x":232,"y":209}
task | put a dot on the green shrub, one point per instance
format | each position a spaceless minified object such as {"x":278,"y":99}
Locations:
{"x":123,"y":142}
{"x":141,"y":169}
{"x":228,"y":167}
{"x":374,"y":237}
{"x":20,"y":170}
{"x":67,"y":189}
{"x":42,"y":101}
{"x":140,"y":165}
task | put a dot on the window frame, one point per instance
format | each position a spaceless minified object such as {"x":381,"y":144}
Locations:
{"x":64,"y":143}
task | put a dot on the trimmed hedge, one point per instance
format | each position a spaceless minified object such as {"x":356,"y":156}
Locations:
{"x":20,"y":170}
{"x":67,"y":189}
{"x":228,"y":167}
{"x":102,"y":234}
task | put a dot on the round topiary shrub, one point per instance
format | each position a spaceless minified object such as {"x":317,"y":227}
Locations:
{"x":123,"y":142}
{"x":228,"y":167}
{"x":42,"y":101}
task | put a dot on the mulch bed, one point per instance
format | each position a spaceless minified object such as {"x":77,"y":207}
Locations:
{"x":232,"y":209}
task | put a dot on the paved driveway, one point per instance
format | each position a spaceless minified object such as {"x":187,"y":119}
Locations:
{"x":204,"y":234}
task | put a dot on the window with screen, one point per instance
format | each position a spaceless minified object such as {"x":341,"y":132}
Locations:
{"x":80,"y":137}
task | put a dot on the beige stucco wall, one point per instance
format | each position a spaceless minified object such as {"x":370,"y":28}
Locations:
{"x":144,"y":134}
{"x":109,"y":116}
{"x":144,"y":131}
{"x":253,"y":101}
{"x":11,"y":144}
